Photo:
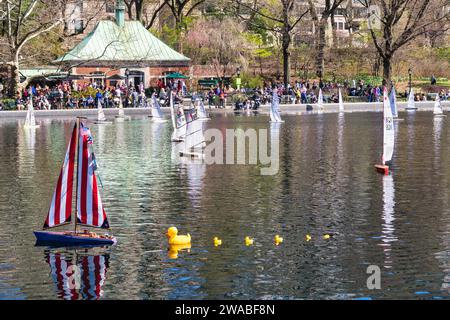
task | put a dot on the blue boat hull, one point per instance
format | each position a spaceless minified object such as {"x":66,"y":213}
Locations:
{"x":60,"y":238}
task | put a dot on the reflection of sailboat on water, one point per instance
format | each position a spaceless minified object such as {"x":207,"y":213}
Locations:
{"x":388,"y":136}
{"x":30,"y":121}
{"x":78,"y":276}
{"x":388,"y":216}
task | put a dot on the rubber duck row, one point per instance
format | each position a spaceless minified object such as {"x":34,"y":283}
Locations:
{"x":175,"y":239}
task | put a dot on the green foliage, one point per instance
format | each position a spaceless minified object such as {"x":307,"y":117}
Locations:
{"x":443,"y":53}
{"x":249,"y":81}
{"x":85,"y":93}
{"x":8,"y":104}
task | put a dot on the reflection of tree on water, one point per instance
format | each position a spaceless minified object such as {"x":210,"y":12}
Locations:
{"x":388,"y":218}
{"x":78,"y":276}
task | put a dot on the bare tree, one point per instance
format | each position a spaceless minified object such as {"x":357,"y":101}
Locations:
{"x":325,"y":12}
{"x":279,"y":17}
{"x":400,"y":22}
{"x":22,"y":21}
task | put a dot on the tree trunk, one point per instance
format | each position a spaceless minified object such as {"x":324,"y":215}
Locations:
{"x":139,"y":8}
{"x":387,"y":68}
{"x":320,"y":48}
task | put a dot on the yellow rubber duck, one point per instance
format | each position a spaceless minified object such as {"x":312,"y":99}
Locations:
{"x":278,"y":240}
{"x":308,"y":238}
{"x":175,"y":248}
{"x":248,"y":241}
{"x":326,"y":236}
{"x":217,"y":242}
{"x":174,"y":238}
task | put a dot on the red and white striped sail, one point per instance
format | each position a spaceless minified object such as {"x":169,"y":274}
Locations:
{"x":90,"y":211}
{"x":61,"y":205}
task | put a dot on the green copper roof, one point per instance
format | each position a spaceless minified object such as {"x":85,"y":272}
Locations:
{"x":110,"y":43}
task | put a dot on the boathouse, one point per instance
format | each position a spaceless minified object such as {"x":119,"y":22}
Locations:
{"x":121,"y":51}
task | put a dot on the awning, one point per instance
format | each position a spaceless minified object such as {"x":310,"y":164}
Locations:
{"x":116,"y":77}
{"x":175,"y":75}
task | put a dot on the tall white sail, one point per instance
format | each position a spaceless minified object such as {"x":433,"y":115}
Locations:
{"x":388,"y":129}
{"x":201,"y":112}
{"x":30,"y":121}
{"x":194,"y":140}
{"x":341,"y":101}
{"x":178,"y":121}
{"x":411,"y":104}
{"x":157,"y":113}
{"x":437,"y":106}
{"x":320,"y":102}
{"x":275,"y":109}
{"x":100,"y":113}
{"x":393,"y":101}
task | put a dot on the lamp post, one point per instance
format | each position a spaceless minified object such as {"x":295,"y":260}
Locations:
{"x":127,"y":74}
{"x":238,"y":79}
{"x":409,"y":73}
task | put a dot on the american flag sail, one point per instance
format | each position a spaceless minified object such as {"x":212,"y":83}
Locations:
{"x":79,"y":277}
{"x":90,"y":211}
{"x":61,"y":205}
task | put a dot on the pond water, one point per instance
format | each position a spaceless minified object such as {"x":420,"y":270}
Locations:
{"x":326,"y":184}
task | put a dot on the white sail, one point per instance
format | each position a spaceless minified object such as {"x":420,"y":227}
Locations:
{"x":194,"y":140}
{"x":437,"y":106}
{"x":388,"y":129}
{"x":100,"y":114}
{"x":411,"y":104}
{"x":341,"y":101}
{"x":201,"y":112}
{"x":275,"y":108}
{"x":320,"y":102}
{"x":178,"y":121}
{"x":121,"y":111}
{"x":30,"y":121}
{"x":393,"y":101}
{"x":157,"y":113}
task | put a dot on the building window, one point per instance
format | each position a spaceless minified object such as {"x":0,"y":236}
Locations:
{"x":78,"y":26}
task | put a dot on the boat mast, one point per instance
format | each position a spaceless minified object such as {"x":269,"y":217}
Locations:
{"x":78,"y":163}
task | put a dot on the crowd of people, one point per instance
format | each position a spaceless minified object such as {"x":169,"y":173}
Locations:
{"x":71,"y":95}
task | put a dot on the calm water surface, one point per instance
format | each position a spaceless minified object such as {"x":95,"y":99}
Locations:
{"x":326,"y":184}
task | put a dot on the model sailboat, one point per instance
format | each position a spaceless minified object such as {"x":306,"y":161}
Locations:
{"x":393,"y":101}
{"x":178,"y":121}
{"x":411,"y":105}
{"x":201,"y":112}
{"x":194,"y":141}
{"x":275,"y":108}
{"x":89,"y":207}
{"x":437,"y":111}
{"x":341,"y":102}
{"x":30,"y":121}
{"x":101,"y":118}
{"x":157,"y":113}
{"x":388,"y":135}
{"x":320,"y":102}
